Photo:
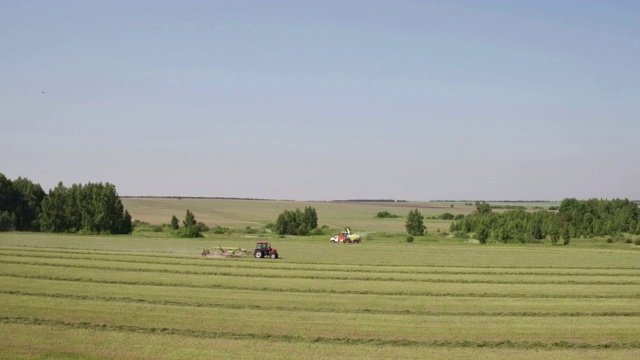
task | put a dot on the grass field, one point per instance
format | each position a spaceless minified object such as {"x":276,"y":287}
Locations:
{"x":75,"y":297}
{"x":257,"y":213}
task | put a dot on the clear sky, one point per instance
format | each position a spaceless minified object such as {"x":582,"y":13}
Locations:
{"x":321,"y":100}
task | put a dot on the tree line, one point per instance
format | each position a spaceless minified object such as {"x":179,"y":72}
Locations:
{"x":574,"y":219}
{"x":94,"y":208}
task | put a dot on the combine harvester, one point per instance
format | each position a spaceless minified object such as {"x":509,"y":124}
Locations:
{"x":346,"y":237}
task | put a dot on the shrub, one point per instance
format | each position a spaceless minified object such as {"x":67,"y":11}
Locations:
{"x":637,"y":242}
{"x":157,"y":229}
{"x":250,"y":230}
{"x":409,"y":239}
{"x":461,"y":235}
{"x":446,"y":216}
{"x":317,"y":231}
{"x":202,"y":226}
{"x":137,"y":223}
{"x":220,"y":230}
{"x":386,"y":214}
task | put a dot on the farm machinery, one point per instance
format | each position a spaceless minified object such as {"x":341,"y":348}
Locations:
{"x":263,"y":249}
{"x":346,"y":237}
{"x":225,"y":251}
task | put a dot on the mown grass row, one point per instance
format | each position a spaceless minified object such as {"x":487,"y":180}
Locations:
{"x":27,"y":342}
{"x":320,"y":275}
{"x":325,"y":310}
{"x":291,"y":301}
{"x":321,"y":339}
{"x":400,"y":255}
{"x":310,"y":325}
{"x":480,"y":291}
{"x":249,"y":263}
{"x":327,"y":302}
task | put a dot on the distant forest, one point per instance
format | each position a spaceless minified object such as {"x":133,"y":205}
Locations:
{"x":87,"y":209}
{"x":574,"y":219}
{"x":96,"y":208}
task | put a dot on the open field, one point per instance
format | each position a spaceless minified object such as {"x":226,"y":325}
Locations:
{"x":131,"y":298}
{"x":257,"y":213}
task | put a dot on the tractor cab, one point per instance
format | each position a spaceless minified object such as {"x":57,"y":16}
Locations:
{"x":264,"y":249}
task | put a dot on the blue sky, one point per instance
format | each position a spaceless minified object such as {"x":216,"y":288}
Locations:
{"x":321,"y":100}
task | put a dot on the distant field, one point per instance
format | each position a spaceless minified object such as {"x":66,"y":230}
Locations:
{"x":122,"y":297}
{"x":257,"y":213}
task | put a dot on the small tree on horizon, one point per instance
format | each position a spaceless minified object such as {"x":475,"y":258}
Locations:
{"x":415,"y":223}
{"x":175,"y":225}
{"x":190,"y":229}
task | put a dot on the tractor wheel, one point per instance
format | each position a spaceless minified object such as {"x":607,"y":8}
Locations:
{"x":258,"y":254}
{"x":274,"y":255}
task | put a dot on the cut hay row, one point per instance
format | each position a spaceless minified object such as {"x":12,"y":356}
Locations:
{"x":562,"y":344}
{"x":70,"y":293}
{"x":383,"y":256}
{"x":326,"y":310}
{"x":18,"y":340}
{"x":248,"y":263}
{"x":353,"y":326}
{"x":367,"y":303}
{"x":334,"y":287}
{"x":321,"y":275}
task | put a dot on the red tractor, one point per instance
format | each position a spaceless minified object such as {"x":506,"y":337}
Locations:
{"x":264,"y":249}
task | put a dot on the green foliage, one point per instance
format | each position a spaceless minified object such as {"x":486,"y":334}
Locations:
{"x":175,"y":225}
{"x":637,"y":242}
{"x":415,"y":223}
{"x":250,"y":230}
{"x":482,"y":234}
{"x":190,"y":227}
{"x":461,"y":235}
{"x":297,"y":222}
{"x":90,"y":209}
{"x":385,"y":214}
{"x":446,"y":216}
{"x":20,"y":202}
{"x":483,"y":208}
{"x":219,"y":230}
{"x":410,"y":239}
{"x":574,"y":218}
{"x":202,"y":226}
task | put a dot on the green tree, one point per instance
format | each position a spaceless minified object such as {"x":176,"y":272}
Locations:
{"x":297,"y":222}
{"x":175,"y":225}
{"x":190,"y":228}
{"x":31,"y":196}
{"x":483,"y":234}
{"x":415,"y":223}
{"x":483,"y":208}
{"x":9,"y":200}
{"x":310,"y":217}
{"x":91,"y":208}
